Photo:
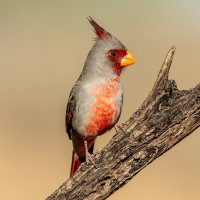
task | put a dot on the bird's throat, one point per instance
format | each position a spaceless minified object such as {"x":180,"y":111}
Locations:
{"x":117,"y":68}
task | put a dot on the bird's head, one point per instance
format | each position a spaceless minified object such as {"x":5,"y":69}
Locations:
{"x":108,"y":55}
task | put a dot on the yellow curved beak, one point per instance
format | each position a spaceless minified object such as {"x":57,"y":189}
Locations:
{"x":128,"y":59}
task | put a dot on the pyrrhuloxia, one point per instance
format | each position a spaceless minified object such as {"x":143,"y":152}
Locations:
{"x":95,"y":101}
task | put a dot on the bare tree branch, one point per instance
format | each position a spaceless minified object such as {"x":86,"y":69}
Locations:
{"x":164,"y":119}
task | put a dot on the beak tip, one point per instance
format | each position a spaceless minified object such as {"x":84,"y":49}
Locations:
{"x":127,"y":60}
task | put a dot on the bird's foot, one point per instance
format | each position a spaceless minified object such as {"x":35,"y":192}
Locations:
{"x":89,"y":158}
{"x":88,"y":155}
{"x":121,"y":127}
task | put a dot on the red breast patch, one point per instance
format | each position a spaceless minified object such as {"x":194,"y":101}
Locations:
{"x":104,"y":110}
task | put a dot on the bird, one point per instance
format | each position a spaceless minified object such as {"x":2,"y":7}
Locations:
{"x":95,"y":101}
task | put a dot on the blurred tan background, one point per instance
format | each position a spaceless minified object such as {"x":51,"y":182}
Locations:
{"x":43,"y":46}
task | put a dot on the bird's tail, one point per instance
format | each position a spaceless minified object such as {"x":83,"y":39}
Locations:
{"x":76,"y":163}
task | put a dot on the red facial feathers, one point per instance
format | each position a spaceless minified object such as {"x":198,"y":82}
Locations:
{"x":116,"y":56}
{"x":100,"y":32}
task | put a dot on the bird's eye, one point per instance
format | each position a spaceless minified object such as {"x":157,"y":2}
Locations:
{"x":114,"y":53}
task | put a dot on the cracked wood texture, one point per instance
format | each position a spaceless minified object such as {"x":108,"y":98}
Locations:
{"x":164,"y":119}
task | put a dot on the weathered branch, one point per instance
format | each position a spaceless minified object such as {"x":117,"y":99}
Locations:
{"x":164,"y":119}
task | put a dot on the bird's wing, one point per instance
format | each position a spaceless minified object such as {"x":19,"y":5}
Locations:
{"x":71,"y":105}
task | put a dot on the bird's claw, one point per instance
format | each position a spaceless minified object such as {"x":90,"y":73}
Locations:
{"x":121,"y":127}
{"x":89,"y":158}
{"x":88,"y":155}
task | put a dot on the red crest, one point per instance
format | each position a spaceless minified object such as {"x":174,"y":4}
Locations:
{"x":100,"y":32}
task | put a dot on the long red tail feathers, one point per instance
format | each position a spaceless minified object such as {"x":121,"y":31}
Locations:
{"x":75,"y":164}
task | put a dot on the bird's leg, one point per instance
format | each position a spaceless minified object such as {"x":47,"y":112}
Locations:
{"x":120,"y":126}
{"x":87,"y":154}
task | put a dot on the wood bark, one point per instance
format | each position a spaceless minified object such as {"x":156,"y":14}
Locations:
{"x":164,"y":119}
